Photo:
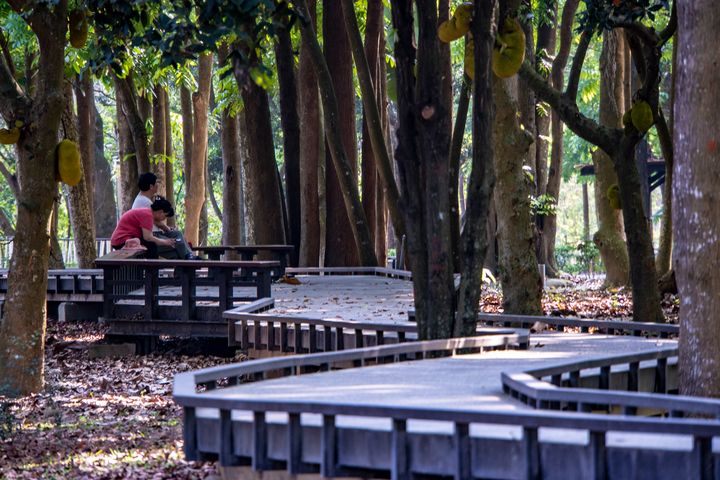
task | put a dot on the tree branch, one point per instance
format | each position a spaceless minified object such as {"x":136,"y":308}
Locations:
{"x":671,"y":27}
{"x":6,"y":52}
{"x":578,"y":60}
{"x":564,"y":105}
{"x":10,"y":177}
{"x":13,"y":100}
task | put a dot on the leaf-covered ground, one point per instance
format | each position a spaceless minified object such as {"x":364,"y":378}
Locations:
{"x":115,"y":418}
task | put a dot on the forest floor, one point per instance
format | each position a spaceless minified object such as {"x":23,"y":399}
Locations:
{"x":115,"y":418}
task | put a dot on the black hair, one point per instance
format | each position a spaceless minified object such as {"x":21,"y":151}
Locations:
{"x":162,"y":204}
{"x":146,"y":180}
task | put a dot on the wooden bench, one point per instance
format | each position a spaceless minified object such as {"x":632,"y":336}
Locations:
{"x":174,"y":297}
{"x":250,"y":252}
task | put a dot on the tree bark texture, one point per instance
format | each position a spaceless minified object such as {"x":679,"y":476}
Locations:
{"x":186,"y":110}
{"x":158,"y":155}
{"x":342,"y":167}
{"x":263,"y":187}
{"x":338,"y":57}
{"x":549,"y":224}
{"x":104,"y":192}
{"x":135,"y":117}
{"x":291,"y":136}
{"x":170,"y":158}
{"x":526,"y":101}
{"x":369,"y":86}
{"x":456,"y":179}
{"x":311,"y":140}
{"x":80,"y":210}
{"x":696,"y":218}
{"x":126,"y":153}
{"x":195,"y":194}
{"x":610,"y":236}
{"x":474,"y":240}
{"x":22,"y":332}
{"x":521,"y":282}
{"x":422,"y":157}
{"x":232,"y":171}
{"x":545,"y":49}
{"x":86,"y":122}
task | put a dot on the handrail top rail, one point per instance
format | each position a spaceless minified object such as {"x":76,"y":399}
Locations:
{"x":269,"y":247}
{"x":147,"y":262}
{"x":581,"y":322}
{"x":602,"y":361}
{"x":276,"y":363}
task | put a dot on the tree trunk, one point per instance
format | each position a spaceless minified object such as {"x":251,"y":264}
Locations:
{"x":103,"y":191}
{"x":456,"y":211}
{"x":126,"y":151}
{"x":80,"y":211}
{"x":86,"y":122}
{"x":263,"y":186}
{"x":169,"y":168}
{"x":664,"y":256}
{"x":158,"y":138}
{"x":422,"y":157}
{"x":135,"y":119}
{"x":186,"y":110}
{"x":545,"y":49}
{"x":343,"y":168}
{"x":609,"y":237}
{"x":521,"y":282}
{"x":482,"y":177}
{"x":22,"y":331}
{"x":339,"y":61}
{"x":291,"y":136}
{"x":380,"y":155}
{"x":549,"y":226}
{"x":311,"y":146}
{"x":232,"y":170}
{"x":195,"y":194}
{"x":55,"y":260}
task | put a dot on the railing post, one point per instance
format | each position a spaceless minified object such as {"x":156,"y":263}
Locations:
{"x":400,"y":470}
{"x":328,"y":447}
{"x":532,"y":453}
{"x":462,"y":451}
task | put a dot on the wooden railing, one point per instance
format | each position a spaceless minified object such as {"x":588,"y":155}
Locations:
{"x":67,"y":247}
{"x":213,"y":428}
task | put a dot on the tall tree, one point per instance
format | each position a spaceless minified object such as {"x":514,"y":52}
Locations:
{"x":610,"y":238}
{"x":557,"y":74}
{"x":195,"y":193}
{"x":619,"y":144}
{"x":135,"y":109}
{"x":170,"y":157}
{"x":126,"y":150}
{"x":80,"y":212}
{"x":521,"y":282}
{"x":22,"y":332}
{"x":291,"y":134}
{"x":158,"y":143}
{"x":311,"y":150}
{"x":85,"y":97}
{"x":104,"y":193}
{"x":696,"y":218}
{"x":232,"y":170}
{"x":339,"y":61}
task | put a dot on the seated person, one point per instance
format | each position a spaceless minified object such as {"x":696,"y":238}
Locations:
{"x":138,"y":223}
{"x":148,"y":185}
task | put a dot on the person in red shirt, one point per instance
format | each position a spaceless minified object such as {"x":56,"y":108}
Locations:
{"x":138,"y":223}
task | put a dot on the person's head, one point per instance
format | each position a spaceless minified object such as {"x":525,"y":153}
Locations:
{"x":148,"y":183}
{"x":161,"y":209}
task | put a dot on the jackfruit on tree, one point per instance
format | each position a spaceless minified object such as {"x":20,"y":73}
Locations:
{"x":69,"y":167}
{"x":641,"y":115}
{"x":613,"y":196}
{"x":509,"y":50}
{"x":78,"y":26}
{"x":458,"y":25}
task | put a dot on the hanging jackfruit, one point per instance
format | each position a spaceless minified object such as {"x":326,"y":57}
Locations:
{"x":509,"y":50}
{"x":458,"y":25}
{"x":10,"y":136}
{"x":67,"y":158}
{"x":78,"y":26}
{"x":613,"y":196}
{"x":641,"y":115}
{"x":470,"y":58}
